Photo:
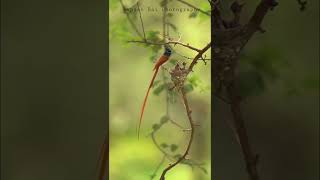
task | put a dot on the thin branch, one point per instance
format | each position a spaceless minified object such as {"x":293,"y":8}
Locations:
{"x":130,"y":20}
{"x":190,"y":5}
{"x":158,"y":146}
{"x":183,"y":157}
{"x":169,"y":42}
{"x":164,"y":21}
{"x":198,"y":56}
{"x":158,"y":167}
{"x":190,"y":58}
{"x":144,"y":33}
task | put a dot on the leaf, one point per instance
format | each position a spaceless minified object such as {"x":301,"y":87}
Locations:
{"x":193,"y":14}
{"x":155,"y":83}
{"x":153,"y":35}
{"x":164,"y":145}
{"x":155,"y":127}
{"x":159,"y":89}
{"x":153,"y":57}
{"x":164,"y":119}
{"x":188,"y":88}
{"x":173,"y":147}
{"x":113,"y":4}
{"x":203,"y":169}
{"x":173,"y":61}
{"x":194,"y":80}
{"x":120,"y":30}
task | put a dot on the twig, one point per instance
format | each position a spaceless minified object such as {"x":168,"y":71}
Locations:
{"x":130,"y":20}
{"x":161,"y":44}
{"x":190,"y":58}
{"x":190,"y":5}
{"x":183,"y":157}
{"x":158,"y":167}
{"x":158,"y":146}
{"x":198,"y":56}
{"x":144,"y":33}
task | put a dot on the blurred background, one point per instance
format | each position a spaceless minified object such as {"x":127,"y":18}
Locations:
{"x":279,"y":77}
{"x":54,"y":84}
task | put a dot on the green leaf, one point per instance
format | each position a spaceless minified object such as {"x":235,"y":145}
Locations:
{"x":156,"y":127}
{"x":173,"y":61}
{"x":203,"y":169}
{"x":113,"y":4}
{"x":155,"y":83}
{"x":159,"y":89}
{"x":164,"y":145}
{"x":164,"y":119}
{"x":121,"y":30}
{"x":153,"y":35}
{"x":153,"y":57}
{"x":173,"y":147}
{"x":194,"y":80}
{"x":188,"y":88}
{"x":193,"y":14}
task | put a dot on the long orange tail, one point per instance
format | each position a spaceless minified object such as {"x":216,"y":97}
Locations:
{"x":146,"y":97}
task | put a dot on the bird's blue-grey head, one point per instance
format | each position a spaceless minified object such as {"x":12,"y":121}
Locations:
{"x":167,"y":51}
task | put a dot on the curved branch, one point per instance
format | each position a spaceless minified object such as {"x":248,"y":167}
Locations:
{"x":183,"y":157}
{"x":198,"y":56}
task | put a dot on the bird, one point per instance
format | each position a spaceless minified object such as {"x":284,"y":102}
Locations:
{"x":162,"y":59}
